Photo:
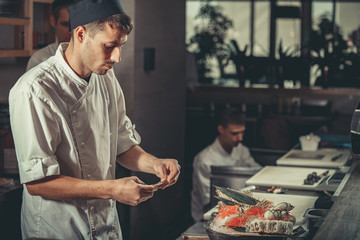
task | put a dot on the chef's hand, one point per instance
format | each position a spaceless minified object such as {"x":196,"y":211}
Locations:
{"x":168,"y":170}
{"x":131,"y":190}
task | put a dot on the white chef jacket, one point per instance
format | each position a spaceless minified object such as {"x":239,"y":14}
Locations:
{"x":42,"y":54}
{"x":63,"y":125}
{"x":214,"y":155}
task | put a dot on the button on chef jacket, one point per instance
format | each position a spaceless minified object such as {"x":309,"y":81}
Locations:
{"x":63,"y":125}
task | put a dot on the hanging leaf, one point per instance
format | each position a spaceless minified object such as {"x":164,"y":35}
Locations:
{"x":237,"y":196}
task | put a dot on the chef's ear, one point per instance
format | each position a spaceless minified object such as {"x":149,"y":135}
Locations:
{"x":79,"y":33}
{"x":52,"y":21}
{"x":220,"y":129}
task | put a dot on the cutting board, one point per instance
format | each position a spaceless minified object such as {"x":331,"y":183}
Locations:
{"x":326,"y":158}
{"x":287,"y":177}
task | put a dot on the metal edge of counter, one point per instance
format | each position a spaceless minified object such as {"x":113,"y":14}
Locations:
{"x":343,"y":181}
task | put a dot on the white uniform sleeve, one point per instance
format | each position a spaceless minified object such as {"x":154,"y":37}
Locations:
{"x":246,"y":159}
{"x":201,"y":186}
{"x":36,"y":136}
{"x":202,"y":175}
{"x":127,"y":135}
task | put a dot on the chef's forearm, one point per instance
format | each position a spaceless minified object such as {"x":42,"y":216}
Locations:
{"x":66,"y":188}
{"x":137,"y":159}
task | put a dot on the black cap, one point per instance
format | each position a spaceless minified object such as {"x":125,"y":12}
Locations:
{"x":87,"y":11}
{"x":60,"y":3}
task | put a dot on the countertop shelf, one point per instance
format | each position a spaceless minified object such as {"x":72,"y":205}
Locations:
{"x":18,"y":21}
{"x":14,"y":53}
{"x":23,"y":40}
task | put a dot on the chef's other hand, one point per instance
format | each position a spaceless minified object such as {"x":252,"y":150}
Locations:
{"x":168,"y":170}
{"x":131,"y":190}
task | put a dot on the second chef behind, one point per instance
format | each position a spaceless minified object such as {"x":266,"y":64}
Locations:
{"x":226,"y":150}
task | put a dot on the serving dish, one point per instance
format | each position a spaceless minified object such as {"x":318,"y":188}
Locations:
{"x":214,"y":235}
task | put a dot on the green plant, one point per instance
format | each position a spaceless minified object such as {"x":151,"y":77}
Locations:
{"x":209,"y":36}
{"x":291,"y":66}
{"x":232,"y":53}
{"x":336,"y":65}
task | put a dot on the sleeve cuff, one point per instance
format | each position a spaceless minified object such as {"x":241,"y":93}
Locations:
{"x":38,"y":168}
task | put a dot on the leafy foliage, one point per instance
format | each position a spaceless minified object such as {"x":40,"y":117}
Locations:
{"x":209,"y":36}
{"x":337,"y":66}
{"x":236,"y":196}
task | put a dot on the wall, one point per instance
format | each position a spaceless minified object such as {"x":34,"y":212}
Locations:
{"x":160,"y":110}
{"x":125,"y":70}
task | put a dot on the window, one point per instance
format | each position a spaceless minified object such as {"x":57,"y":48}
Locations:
{"x":260,"y":27}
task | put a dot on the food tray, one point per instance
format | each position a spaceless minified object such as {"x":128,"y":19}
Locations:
{"x":214,"y":235}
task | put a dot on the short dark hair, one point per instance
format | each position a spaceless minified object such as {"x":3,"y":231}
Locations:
{"x":232,"y":116}
{"x":120,"y":21}
{"x":59,"y":4}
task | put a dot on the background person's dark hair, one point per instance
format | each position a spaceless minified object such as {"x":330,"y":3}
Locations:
{"x":232,"y":116}
{"x":59,"y":4}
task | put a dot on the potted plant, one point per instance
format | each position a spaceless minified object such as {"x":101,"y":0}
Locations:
{"x":208,"y":39}
{"x":336,"y":65}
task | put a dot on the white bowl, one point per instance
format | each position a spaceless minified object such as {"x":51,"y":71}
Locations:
{"x":309,"y":142}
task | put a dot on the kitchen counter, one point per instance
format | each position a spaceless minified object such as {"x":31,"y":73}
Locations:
{"x":342,"y":221}
{"x":195,"y":232}
{"x":301,"y":203}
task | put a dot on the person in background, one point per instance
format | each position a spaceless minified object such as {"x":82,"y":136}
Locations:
{"x":70,"y":129}
{"x":59,"y":20}
{"x":226,"y":150}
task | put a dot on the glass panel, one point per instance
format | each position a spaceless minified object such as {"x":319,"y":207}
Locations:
{"x":288,"y":34}
{"x":192,"y":9}
{"x":319,"y":10}
{"x":261,"y":29}
{"x":335,"y":48}
{"x":238,"y":13}
{"x":348,"y":19}
{"x":289,"y":3}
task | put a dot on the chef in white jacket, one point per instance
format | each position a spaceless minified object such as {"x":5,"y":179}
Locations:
{"x":226,"y":150}
{"x":59,"y":20}
{"x":70,"y":129}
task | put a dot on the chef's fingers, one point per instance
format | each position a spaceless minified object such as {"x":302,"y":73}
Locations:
{"x":174,"y":172}
{"x":163,"y":172}
{"x":137,"y":180}
{"x":147,"y":195}
{"x":147,"y":191}
{"x":169,"y":184}
{"x":147,"y":188}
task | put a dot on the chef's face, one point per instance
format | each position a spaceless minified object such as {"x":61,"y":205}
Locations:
{"x":61,"y":25}
{"x":102,"y":50}
{"x":232,"y":135}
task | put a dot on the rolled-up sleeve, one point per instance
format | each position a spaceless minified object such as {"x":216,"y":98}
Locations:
{"x":127,"y":135}
{"x":36,"y":136}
